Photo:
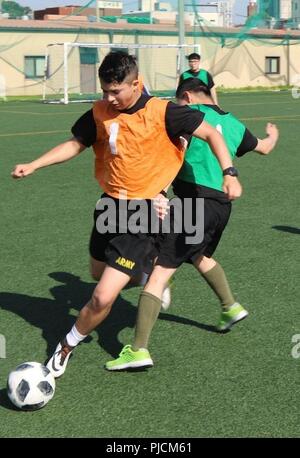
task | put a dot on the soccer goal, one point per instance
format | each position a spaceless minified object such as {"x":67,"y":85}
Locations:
{"x":71,"y":68}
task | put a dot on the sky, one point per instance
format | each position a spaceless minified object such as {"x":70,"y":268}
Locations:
{"x":240,"y":5}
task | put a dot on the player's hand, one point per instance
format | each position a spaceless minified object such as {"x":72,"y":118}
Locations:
{"x":22,"y":170}
{"x":161,"y":205}
{"x":272,"y":131}
{"x":232,"y":187}
{"x":184,"y":143}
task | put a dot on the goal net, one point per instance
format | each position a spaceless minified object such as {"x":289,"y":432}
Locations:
{"x":71,"y":69}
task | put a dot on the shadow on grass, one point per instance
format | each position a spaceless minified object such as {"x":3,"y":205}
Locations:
{"x":5,"y":402}
{"x":290,"y":229}
{"x":56,"y":316}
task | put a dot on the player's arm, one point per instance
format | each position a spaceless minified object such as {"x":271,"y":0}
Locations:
{"x":214,"y":95}
{"x":61,"y":153}
{"x":212,"y":88}
{"x":231,"y":185}
{"x":266,"y":145}
{"x":262,"y":146}
{"x":84,"y":135}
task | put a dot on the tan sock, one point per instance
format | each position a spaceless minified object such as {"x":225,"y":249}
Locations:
{"x":148,"y":311}
{"x":217,"y":280}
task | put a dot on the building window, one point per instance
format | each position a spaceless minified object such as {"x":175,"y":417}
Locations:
{"x":272,"y":65}
{"x":34,"y":66}
{"x":88,"y":55}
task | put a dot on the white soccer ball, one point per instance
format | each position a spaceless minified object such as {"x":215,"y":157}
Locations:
{"x":30,"y":386}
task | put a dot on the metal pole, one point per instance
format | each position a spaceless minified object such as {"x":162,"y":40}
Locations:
{"x":66,"y":86}
{"x":288,"y":71}
{"x":181,"y":34}
{"x":45,"y":73}
{"x":97,"y":11}
{"x":151,"y":12}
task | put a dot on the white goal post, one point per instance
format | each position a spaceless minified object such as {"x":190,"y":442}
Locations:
{"x":71,"y":69}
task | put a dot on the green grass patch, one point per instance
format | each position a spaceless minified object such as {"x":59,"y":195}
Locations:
{"x":203,"y":384}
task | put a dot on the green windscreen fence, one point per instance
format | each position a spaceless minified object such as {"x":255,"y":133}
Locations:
{"x":262,"y":52}
{"x":248,"y":54}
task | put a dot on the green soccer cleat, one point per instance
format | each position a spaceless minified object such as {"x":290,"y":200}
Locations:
{"x":129,"y":359}
{"x":235,"y":314}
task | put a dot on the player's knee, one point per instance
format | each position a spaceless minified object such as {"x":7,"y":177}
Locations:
{"x":101,"y":301}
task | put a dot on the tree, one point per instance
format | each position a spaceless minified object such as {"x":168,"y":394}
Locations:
{"x":14,"y":9}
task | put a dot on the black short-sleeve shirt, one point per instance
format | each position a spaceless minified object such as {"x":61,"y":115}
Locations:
{"x":180,"y":121}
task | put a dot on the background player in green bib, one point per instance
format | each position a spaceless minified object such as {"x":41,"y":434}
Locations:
{"x":200,"y":177}
{"x":196,"y":72}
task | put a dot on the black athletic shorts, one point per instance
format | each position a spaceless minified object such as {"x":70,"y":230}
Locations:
{"x":131,"y":253}
{"x":174,"y":249}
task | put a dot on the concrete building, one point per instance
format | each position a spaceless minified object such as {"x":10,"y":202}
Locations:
{"x":147,"y":5}
{"x":171,"y":17}
{"x":110,"y":4}
{"x":296,"y":13}
{"x":23,"y":50}
{"x":285,"y":12}
{"x":272,"y":8}
{"x":105,"y":9}
{"x":153,"y":5}
{"x":278,"y":9}
{"x":285,"y":9}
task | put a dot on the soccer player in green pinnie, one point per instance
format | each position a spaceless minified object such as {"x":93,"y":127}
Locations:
{"x":199,"y":177}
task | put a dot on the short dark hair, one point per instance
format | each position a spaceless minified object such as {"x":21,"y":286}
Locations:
{"x":116,"y":66}
{"x":194,"y":56}
{"x":192,"y":85}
